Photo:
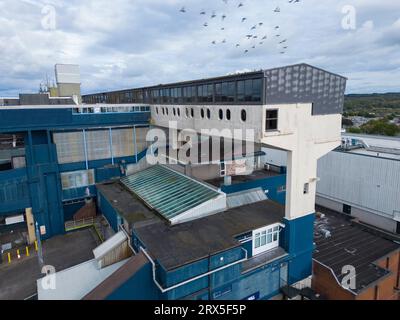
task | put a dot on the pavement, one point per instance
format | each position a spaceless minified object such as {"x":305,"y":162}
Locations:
{"x":18,"y":280}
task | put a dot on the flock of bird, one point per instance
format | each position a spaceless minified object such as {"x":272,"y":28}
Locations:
{"x":253,"y":34}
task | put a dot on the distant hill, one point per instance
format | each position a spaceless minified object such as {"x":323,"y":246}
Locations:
{"x":375,"y":102}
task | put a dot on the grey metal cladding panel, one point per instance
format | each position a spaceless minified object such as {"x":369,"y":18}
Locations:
{"x":306,"y":84}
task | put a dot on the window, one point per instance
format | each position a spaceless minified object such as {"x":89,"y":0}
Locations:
{"x":347,"y":209}
{"x":77,"y":179}
{"x":240,"y":91}
{"x":208,"y":114}
{"x":163,"y":111}
{"x":221,"y":114}
{"x":228,"y":114}
{"x":306,"y":188}
{"x":231,"y":91}
{"x":157,"y":110}
{"x":266,"y":239}
{"x":174,"y":111}
{"x":243,"y":115}
{"x":218,"y":92}
{"x":271,"y":120}
{"x":192,"y":112}
{"x":166,"y":111}
{"x":178,"y":112}
{"x":202,"y":113}
{"x":187,"y":113}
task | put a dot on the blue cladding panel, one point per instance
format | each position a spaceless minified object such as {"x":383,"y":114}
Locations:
{"x":14,"y":191}
{"x":108,"y":211}
{"x":43,"y":119}
{"x":271,"y":184}
{"x":264,"y":283}
{"x":298,"y":241}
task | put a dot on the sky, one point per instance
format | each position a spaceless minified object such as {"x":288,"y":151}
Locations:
{"x":132,"y":43}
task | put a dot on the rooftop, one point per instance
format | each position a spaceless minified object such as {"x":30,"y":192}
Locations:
{"x":130,"y":207}
{"x":175,"y":246}
{"x":255,"y":175}
{"x":350,"y":244}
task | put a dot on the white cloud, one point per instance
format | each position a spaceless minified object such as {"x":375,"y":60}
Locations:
{"x":124,"y":43}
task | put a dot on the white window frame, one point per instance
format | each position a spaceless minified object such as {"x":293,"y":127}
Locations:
{"x":266,"y":238}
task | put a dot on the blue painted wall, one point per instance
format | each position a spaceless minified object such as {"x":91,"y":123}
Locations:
{"x":108,"y":211}
{"x":45,"y":119}
{"x":299,"y":243}
{"x":14,"y":191}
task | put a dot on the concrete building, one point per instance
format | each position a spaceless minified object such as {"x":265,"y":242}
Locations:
{"x":215,"y":229}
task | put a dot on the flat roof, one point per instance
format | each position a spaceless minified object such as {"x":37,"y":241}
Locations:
{"x":175,"y":246}
{"x":125,"y":203}
{"x":353,"y":245}
{"x":255,"y":175}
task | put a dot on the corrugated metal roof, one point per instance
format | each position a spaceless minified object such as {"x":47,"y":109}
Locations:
{"x":168,"y":191}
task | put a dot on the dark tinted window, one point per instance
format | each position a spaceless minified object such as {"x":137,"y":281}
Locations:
{"x":231,"y":91}
{"x":228,"y":114}
{"x":192,"y":112}
{"x":244,"y":115}
{"x":240,"y":91}
{"x":221,"y":114}
{"x":257,"y":90}
{"x":218,"y":92}
{"x":271,"y":120}
{"x":248,"y":90}
{"x":208,"y":114}
{"x":224,"y":94}
{"x":202,"y":113}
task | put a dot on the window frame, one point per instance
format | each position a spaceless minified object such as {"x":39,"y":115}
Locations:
{"x":266,"y":238}
{"x":268,"y":119}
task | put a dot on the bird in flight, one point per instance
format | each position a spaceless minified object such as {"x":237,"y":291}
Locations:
{"x":244,"y":19}
{"x":277,"y":10}
{"x":205,"y":24}
{"x":249,"y":36}
{"x":240,"y":5}
{"x":264,"y":38}
{"x":203,"y":13}
{"x":183,"y":10}
{"x":213,"y":15}
{"x":253,"y":27}
{"x":246,"y":51}
{"x":223,"y":17}
{"x":214,"y":42}
{"x":261,"y":24}
{"x":237,"y":45}
{"x":283,"y":41}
